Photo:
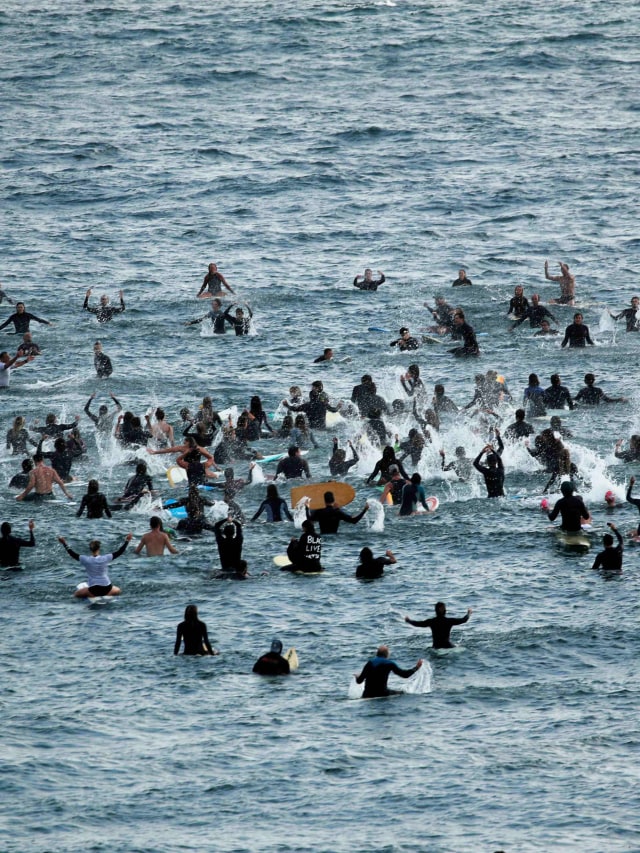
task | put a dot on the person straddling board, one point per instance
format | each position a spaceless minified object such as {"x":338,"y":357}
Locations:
{"x":571,"y":508}
{"x":367,"y":281}
{"x":272,"y":663}
{"x":330,"y":516}
{"x":213,"y":283}
{"x":95,"y":565}
{"x":610,"y":560}
{"x":194,"y":634}
{"x":440,"y":625}
{"x":462,"y":280}
{"x":376,"y":672}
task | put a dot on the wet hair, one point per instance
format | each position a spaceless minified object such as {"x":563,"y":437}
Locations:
{"x":93,"y":487}
{"x":27,"y":465}
{"x":301,"y":423}
{"x":155,"y":523}
{"x":533,"y":379}
{"x":460,"y":451}
{"x":366,"y":555}
{"x":141,"y":468}
{"x":307,"y":526}
{"x":18,"y":423}
{"x":94,"y":545}
{"x":317,"y":385}
{"x":38,"y":457}
{"x":184,"y":412}
{"x":520,"y":413}
{"x":329,"y":497}
{"x":191,"y":613}
{"x":555,"y":379}
{"x":228,"y":473}
{"x":272,"y":491}
{"x":397,"y":406}
{"x":567,"y":488}
{"x":5,"y":528}
{"x":287,"y":424}
{"x":366,"y":379}
{"x":255,"y":406}
{"x":103,"y":410}
{"x":589,"y":378}
{"x":413,"y":370}
{"x":439,"y":389}
{"x":160,"y":414}
{"x":440,"y":608}
{"x":59,"y":444}
{"x":388,"y":454}
{"x":416,"y":479}
{"x":50,"y":419}
{"x":607,"y":539}
{"x":293,"y":450}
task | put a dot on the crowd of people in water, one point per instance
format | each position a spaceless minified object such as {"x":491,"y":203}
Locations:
{"x":204,"y":450}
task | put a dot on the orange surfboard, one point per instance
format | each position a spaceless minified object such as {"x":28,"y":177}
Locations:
{"x":343,"y":493}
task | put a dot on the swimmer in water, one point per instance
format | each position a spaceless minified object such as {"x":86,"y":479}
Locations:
{"x":213,"y":283}
{"x":631,"y":316}
{"x":94,"y":502}
{"x":413,"y":493}
{"x":21,"y":320}
{"x":240,"y":322}
{"x":440,"y":625}
{"x":376,"y":672}
{"x":591,"y":395}
{"x":571,"y":508}
{"x":462,"y":280}
{"x":461,"y":464}
{"x":577,"y":334}
{"x":545,"y":329}
{"x":216,"y":315}
{"x":274,"y":506}
{"x":194,"y":634}
{"x":405,"y":342}
{"x":101,"y":362}
{"x":493,"y":471}
{"x":518,"y":305}
{"x":567,"y":284}
{"x":155,"y":540}
{"x":104,"y":419}
{"x":463,"y":330}
{"x":95,"y":565}
{"x":10,"y":545}
{"x":104,"y":312}
{"x":367,"y":281}
{"x":272,"y":663}
{"x":535,"y":314}
{"x":610,"y":560}
{"x":373,"y":567}
{"x":339,"y":465}
{"x":330,"y":516}
{"x":305,"y":553}
{"x":28,"y":346}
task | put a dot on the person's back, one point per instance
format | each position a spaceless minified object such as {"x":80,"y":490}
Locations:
{"x":10,"y":546}
{"x":571,"y":508}
{"x":440,"y":626}
{"x":610,"y":560}
{"x":272,"y":663}
{"x":376,"y":672}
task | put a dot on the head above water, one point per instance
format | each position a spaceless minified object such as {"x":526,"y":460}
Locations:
{"x":383,"y":651}
{"x":329,"y":498}
{"x":567,"y":488}
{"x":276,"y":646}
{"x":440,"y":608}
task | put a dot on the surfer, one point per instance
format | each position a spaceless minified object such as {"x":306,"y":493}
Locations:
{"x":634,"y":501}
{"x":442,"y":314}
{"x":556,"y":395}
{"x":193,"y":633}
{"x":104,"y":312}
{"x":272,"y":663}
{"x":545,"y":329}
{"x":21,"y":320}
{"x":462,"y":330}
{"x":216,"y":315}
{"x":518,"y":304}
{"x":493,"y":471}
{"x":95,"y":565}
{"x":273,"y":505}
{"x":462,"y":280}
{"x":533,"y":397}
{"x":7,"y":363}
{"x":383,"y":466}
{"x":229,"y":539}
{"x":10,"y":545}
{"x":330,"y":516}
{"x":41,"y":479}
{"x":591,"y":395}
{"x":241,"y":323}
{"x":519,"y":428}
{"x":440,"y":625}
{"x":567,"y":284}
{"x":338,"y":464}
{"x":405,"y":342}
{"x":155,"y":540}
{"x":28,"y":346}
{"x":293,"y":465}
{"x":101,"y":362}
{"x":411,"y":382}
{"x":376,"y":671}
{"x":461,"y":464}
{"x":571,"y":508}
{"x":610,"y":560}
{"x":535,"y":314}
{"x":21,"y":479}
{"x":305,"y":553}
{"x":630,"y":455}
{"x":137,"y":486}
{"x":373,"y":567}
{"x":367,"y":281}
{"x":213,"y":283}
{"x":18,"y":436}
{"x":631,"y":316}
{"x":104,"y":419}
{"x":94,"y":502}
{"x":327,"y":355}
{"x":413,"y":493}
{"x":316,"y":408}
{"x":577,"y":334}
{"x":366,"y":397}
{"x":441,"y":403}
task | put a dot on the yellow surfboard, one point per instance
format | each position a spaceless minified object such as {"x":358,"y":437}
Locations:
{"x":343,"y":493}
{"x":292,"y":657}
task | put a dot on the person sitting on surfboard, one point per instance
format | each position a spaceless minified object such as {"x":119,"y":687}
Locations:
{"x":330,"y":516}
{"x":306,"y":551}
{"x":440,"y":625}
{"x":213,"y":283}
{"x":572,"y":509}
{"x":376,"y":671}
{"x":367,"y":281}
{"x":194,"y":634}
{"x":610,"y":560}
{"x":373,"y":567}
{"x":272,"y":663}
{"x":95,"y":565}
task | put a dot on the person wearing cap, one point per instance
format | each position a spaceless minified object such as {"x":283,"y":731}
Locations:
{"x":330,"y":516}
{"x":610,"y":560}
{"x":367,"y":281}
{"x":405,"y":342}
{"x":535,"y":314}
{"x":571,"y":508}
{"x":376,"y":672}
{"x":272,"y":663}
{"x":610,"y":500}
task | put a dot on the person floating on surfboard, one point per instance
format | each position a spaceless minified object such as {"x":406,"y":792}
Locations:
{"x":571,"y":508}
{"x":440,"y":625}
{"x":194,"y":634}
{"x":305,"y":552}
{"x":272,"y":663}
{"x":95,"y":564}
{"x":376,"y":672}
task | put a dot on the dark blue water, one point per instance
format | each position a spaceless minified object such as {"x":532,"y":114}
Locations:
{"x":293,"y":146}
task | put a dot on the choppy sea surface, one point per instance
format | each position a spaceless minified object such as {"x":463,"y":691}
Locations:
{"x":294,"y":145}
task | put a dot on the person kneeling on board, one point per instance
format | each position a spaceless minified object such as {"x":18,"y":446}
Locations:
{"x":272,"y":663}
{"x":305,"y":552}
{"x":440,"y":625}
{"x":96,"y":567}
{"x":330,"y":516}
{"x":610,"y":560}
{"x":572,"y":509}
{"x":376,"y":671}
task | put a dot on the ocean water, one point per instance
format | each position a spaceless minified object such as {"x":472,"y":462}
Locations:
{"x":293,"y":146}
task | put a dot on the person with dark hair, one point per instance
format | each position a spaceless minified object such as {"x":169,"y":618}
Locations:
{"x":21,"y":320}
{"x":545,"y":330}
{"x":241,"y":323}
{"x":94,"y":502}
{"x":462,"y":280}
{"x":330,"y":516}
{"x":274,"y":506}
{"x":413,"y":446}
{"x":610,"y":560}
{"x":41,"y":478}
{"x":366,"y":397}
{"x":376,"y":672}
{"x":258,"y":420}
{"x":161,"y":431}
{"x":461,"y":464}
{"x":592,"y":395}
{"x":367,"y":281}
{"x":635,"y":501}
{"x":383,"y":465}
{"x":137,"y":486}
{"x":104,"y":312}
{"x":60,"y":458}
{"x":556,"y":395}
{"x":440,"y":625}
{"x":316,"y":408}
{"x":413,"y":494}
{"x":493,"y":471}
{"x":229,"y":539}
{"x":327,"y":355}
{"x":371,"y":567}
{"x":293,"y":465}
{"x":463,"y":331}
{"x":101,"y":362}
{"x":194,"y":634}
{"x":630,"y":455}
{"x":194,"y":503}
{"x":577,"y":334}
{"x":155,"y":540}
{"x":272,"y":663}
{"x":405,"y":342}
{"x":441,"y":403}
{"x":411,"y":382}
{"x":305,"y":553}
{"x":536,"y":314}
{"x":519,"y":428}
{"x":571,"y":508}
{"x":213,"y":283}
{"x":338,"y":464}
{"x":10,"y":545}
{"x":301,"y":435}
{"x":28,"y":346}
{"x":95,"y":564}
{"x":52,"y":428}
{"x":104,"y":419}
{"x":631,"y":315}
{"x":216,"y":315}
{"x":21,"y":479}
{"x":533,"y":397}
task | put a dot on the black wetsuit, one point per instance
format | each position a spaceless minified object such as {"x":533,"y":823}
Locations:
{"x":10,"y":549}
{"x":218,"y":320}
{"x":102,"y":364}
{"x":104,"y":423}
{"x":329,"y":518}
{"x":535,"y":314}
{"x":376,"y":430}
{"x":95,"y":504}
{"x":54,"y":430}
{"x":26,"y":349}
{"x":493,"y":477}
{"x":470,"y":344}
{"x":382,"y":468}
{"x":374,"y":568}
{"x":196,"y":639}
{"x":316,"y":410}
{"x":241,"y":326}
{"x":610,"y":560}
{"x":271,"y":664}
{"x":376,"y":674}
{"x":572,"y":510}
{"x":293,"y":467}
{"x":275,"y":509}
{"x":519,"y":429}
{"x":341,"y":469}
{"x":21,"y":322}
{"x":635,"y":502}
{"x":577,"y":335}
{"x":134,"y":489}
{"x":366,"y":399}
{"x":18,"y":440}
{"x":555,"y":396}
{"x":104,"y":313}
{"x":19,"y":481}
{"x":590,"y":395}
{"x":631,"y":319}
{"x":374,"y":284}
{"x":305,"y":554}
{"x":61,"y":462}
{"x":405,"y":344}
{"x":229,"y":547}
{"x":461,"y":282}
{"x":518,"y":306}
{"x":440,"y":629}
{"x":443,"y":405}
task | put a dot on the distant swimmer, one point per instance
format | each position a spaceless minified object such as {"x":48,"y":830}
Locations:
{"x":272,"y":663}
{"x":193,"y":633}
{"x":213,"y":284}
{"x":274,"y":507}
{"x":21,"y":320}
{"x":215,"y":315}
{"x":240,"y":321}
{"x":155,"y":540}
{"x":413,"y":493}
{"x":10,"y":545}
{"x":535,"y":314}
{"x":41,"y":479}
{"x":631,"y":315}
{"x":327,"y":355}
{"x":567,"y":282}
{"x":442,"y":314}
{"x":305,"y":553}
{"x":493,"y":471}
{"x":577,"y":334}
{"x":94,"y":502}
{"x":367,"y":281}
{"x":101,"y":362}
{"x":518,"y":305}
{"x":371,"y":567}
{"x":28,"y":346}
{"x":462,"y":280}
{"x":7,"y":364}
{"x":461,"y":464}
{"x":104,"y":420}
{"x":571,"y":508}
{"x":462,"y":330}
{"x":610,"y":560}
{"x":442,"y":405}
{"x":405,"y":342}
{"x":440,"y":625}
{"x":545,"y":330}
{"x":104,"y":312}
{"x":591,"y":395}
{"x":330,"y":516}
{"x":376,"y":672}
{"x":95,"y":565}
